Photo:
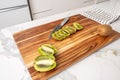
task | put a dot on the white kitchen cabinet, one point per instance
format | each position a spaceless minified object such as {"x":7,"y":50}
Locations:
{"x":13,"y":12}
{"x":11,"y":3}
{"x":14,"y":17}
{"x":43,"y":8}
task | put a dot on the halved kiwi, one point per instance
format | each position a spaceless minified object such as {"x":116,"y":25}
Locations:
{"x":77,"y":26}
{"x":47,"y":49}
{"x":44,"y":63}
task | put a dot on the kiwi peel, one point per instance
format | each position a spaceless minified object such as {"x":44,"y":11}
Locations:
{"x":104,"y":30}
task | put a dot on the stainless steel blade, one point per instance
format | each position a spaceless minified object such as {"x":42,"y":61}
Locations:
{"x":64,"y":21}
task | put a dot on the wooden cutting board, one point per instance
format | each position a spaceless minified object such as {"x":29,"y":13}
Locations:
{"x":71,"y":50}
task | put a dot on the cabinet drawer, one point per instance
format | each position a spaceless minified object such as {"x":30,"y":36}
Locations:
{"x":11,"y":3}
{"x":14,"y":17}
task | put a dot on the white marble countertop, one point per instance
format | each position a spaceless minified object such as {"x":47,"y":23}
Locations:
{"x":102,"y":65}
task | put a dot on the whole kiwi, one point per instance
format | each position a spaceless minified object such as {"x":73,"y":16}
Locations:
{"x":104,"y":30}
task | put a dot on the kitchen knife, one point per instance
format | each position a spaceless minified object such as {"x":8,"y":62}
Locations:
{"x":59,"y":26}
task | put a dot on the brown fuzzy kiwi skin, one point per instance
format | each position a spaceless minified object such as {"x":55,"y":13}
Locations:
{"x":104,"y":30}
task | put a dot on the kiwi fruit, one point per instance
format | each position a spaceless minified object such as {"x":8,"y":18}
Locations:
{"x":104,"y":30}
{"x":72,"y":28}
{"x":56,"y":35}
{"x":47,"y":49}
{"x":60,"y":33}
{"x":77,"y":26}
{"x":66,"y":31}
{"x":44,"y":63}
{"x":71,"y":31}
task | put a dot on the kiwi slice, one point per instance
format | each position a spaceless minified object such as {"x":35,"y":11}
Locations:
{"x":59,"y":34}
{"x":63,"y":33}
{"x":56,"y":37}
{"x":66,"y":33}
{"x":71,"y":31}
{"x":77,"y":26}
{"x":44,"y":63}
{"x":47,"y":49}
{"x":66,"y":30}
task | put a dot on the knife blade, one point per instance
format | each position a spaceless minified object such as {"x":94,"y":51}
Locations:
{"x":59,"y":26}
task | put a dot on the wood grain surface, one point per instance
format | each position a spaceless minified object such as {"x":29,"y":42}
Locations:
{"x":71,"y":50}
